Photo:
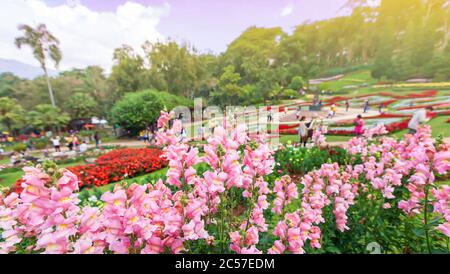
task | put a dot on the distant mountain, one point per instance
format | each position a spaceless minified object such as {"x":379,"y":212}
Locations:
{"x":23,"y":70}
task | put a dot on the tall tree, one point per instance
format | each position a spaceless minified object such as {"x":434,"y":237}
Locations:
{"x":81,"y":105}
{"x":228,"y":90}
{"x":128,"y":73}
{"x":11,"y":113}
{"x":177,"y":68}
{"x":44,"y":45}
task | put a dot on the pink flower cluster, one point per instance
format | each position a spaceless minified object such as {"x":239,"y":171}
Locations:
{"x":414,"y":154}
{"x":228,"y":169}
{"x":375,"y":131}
{"x":140,"y":219}
{"x":285,"y":191}
{"x":318,"y":137}
{"x":44,"y":210}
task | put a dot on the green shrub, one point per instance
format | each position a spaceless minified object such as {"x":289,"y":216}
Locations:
{"x":19,"y":147}
{"x":85,"y":133}
{"x":136,"y":110}
{"x":171,"y":101}
{"x":40,"y":144}
{"x":290,"y":93}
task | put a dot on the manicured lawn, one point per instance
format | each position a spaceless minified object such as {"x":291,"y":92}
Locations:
{"x":4,"y":161}
{"x":438,"y":124}
{"x":336,"y":138}
{"x":295,"y":139}
{"x":8,"y":179}
{"x":352,"y":79}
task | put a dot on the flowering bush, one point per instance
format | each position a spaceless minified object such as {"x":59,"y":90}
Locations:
{"x":118,"y":164}
{"x":390,"y":198}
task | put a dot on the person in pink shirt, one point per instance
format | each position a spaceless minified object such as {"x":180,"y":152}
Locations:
{"x":359,"y":126}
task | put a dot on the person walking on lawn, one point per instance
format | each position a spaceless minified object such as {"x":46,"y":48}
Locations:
{"x":366,"y":105}
{"x":421,"y":116}
{"x":69,"y":140}
{"x":97,"y":139}
{"x":56,"y":143}
{"x":303,"y":131}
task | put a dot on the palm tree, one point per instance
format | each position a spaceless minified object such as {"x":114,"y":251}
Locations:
{"x":44,"y":45}
{"x":47,"y":117}
{"x":11,"y":113}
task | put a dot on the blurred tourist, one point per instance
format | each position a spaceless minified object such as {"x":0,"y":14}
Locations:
{"x":97,"y":139}
{"x":83,"y":147}
{"x":380,"y":108}
{"x":56,"y":143}
{"x":303,"y":131}
{"x":366,"y":105}
{"x":421,"y":116}
{"x":69,"y":140}
{"x":76,"y":141}
{"x":359,"y":125}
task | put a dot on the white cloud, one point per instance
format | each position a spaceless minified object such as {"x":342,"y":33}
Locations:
{"x":287,"y":10}
{"x":87,"y":37}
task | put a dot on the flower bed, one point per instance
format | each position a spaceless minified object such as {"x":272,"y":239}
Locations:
{"x":390,"y":128}
{"x":390,"y":198}
{"x":423,"y":94}
{"x":119,"y":164}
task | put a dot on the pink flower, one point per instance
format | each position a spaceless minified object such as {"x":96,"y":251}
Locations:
{"x":442,"y":162}
{"x":188,"y":231}
{"x":68,"y":181}
{"x":281,"y":230}
{"x":251,"y":236}
{"x":172,"y":223}
{"x":277,"y":248}
{"x":195,"y":208}
{"x":444,"y":228}
{"x":177,"y":246}
{"x":116,"y":199}
{"x":215,"y":181}
{"x":154,"y":246}
{"x":250,"y":250}
{"x":163,"y":119}
{"x":52,"y":244}
{"x":235,"y":244}
{"x":295,"y":241}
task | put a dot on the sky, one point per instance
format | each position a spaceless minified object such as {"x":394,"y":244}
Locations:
{"x":90,"y":30}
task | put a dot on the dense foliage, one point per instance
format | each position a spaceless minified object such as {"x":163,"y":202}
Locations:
{"x":301,"y":160}
{"x":397,"y":40}
{"x":136,"y":111}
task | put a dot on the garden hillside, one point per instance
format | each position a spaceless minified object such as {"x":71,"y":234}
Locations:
{"x":393,"y":42}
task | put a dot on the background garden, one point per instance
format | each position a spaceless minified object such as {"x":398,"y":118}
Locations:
{"x":234,"y":193}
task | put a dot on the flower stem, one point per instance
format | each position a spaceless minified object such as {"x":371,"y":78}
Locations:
{"x":425,"y":216}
